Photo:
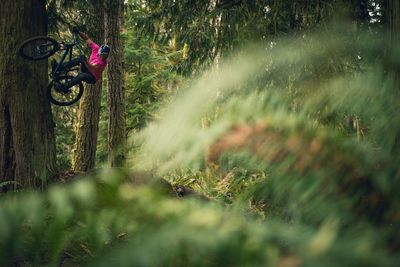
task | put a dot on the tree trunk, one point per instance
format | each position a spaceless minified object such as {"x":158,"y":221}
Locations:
{"x":27,"y":141}
{"x":392,"y":15}
{"x":87,"y":126}
{"x":392,"y":21}
{"x":116,"y":90}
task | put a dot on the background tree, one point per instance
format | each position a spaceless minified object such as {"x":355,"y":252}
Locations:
{"x":27,"y":142}
{"x":392,"y":62}
{"x":87,"y":125}
{"x":392,"y":25}
{"x":115,"y":83}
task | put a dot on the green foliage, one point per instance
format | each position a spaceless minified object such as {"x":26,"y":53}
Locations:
{"x":106,"y":220}
{"x":102,"y":149}
{"x":64,"y":119}
{"x":285,"y":113}
{"x":149,"y":77}
{"x":209,"y":28}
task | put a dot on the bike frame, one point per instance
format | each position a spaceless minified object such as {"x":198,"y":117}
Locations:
{"x":68,"y":52}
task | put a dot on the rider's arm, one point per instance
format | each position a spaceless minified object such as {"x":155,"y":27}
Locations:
{"x":85,"y":37}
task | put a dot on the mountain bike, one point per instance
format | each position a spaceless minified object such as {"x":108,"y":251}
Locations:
{"x":42,"y":47}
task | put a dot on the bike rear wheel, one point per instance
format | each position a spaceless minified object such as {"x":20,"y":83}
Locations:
{"x":61,"y":98}
{"x":39,"y":47}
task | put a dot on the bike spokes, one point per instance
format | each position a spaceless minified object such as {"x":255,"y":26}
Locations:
{"x":38,"y":48}
{"x":67,"y":96}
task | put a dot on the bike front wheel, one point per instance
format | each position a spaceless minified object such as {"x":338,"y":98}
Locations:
{"x":64,"y":98}
{"x":39,"y":47}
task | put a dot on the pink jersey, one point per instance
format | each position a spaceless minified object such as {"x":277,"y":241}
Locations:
{"x":95,"y":59}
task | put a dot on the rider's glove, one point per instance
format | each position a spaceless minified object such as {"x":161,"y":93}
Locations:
{"x":75,"y":30}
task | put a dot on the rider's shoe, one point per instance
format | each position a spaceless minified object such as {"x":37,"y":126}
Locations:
{"x":62,"y":88}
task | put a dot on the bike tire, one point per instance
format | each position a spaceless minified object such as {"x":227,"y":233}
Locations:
{"x":29,"y":44}
{"x":63,"y":99}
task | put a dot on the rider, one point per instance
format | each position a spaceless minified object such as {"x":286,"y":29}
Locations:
{"x":90,"y":71}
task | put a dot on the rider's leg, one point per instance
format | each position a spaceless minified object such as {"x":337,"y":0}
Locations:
{"x":74,"y":81}
{"x":82,"y":76}
{"x":72,"y":63}
{"x":89,"y":78}
{"x":65,"y":65}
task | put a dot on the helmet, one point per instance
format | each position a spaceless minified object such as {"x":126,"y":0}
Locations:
{"x":104,"y":50}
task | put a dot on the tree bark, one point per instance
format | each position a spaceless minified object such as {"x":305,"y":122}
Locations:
{"x":87,"y":126}
{"x":27,"y":141}
{"x":392,"y":21}
{"x":115,"y":78}
{"x":392,"y":16}
{"x":392,"y":60}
